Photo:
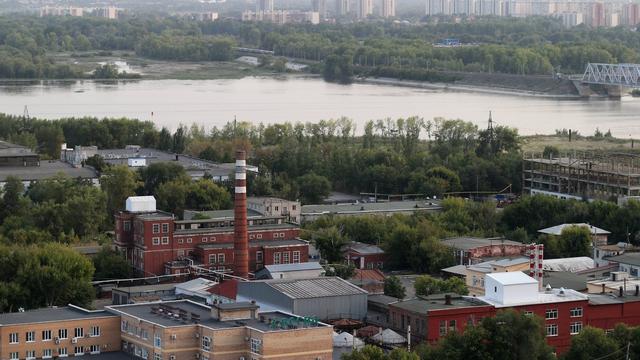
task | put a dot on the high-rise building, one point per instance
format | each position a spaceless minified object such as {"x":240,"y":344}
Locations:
{"x":439,"y":7}
{"x":342,"y":7}
{"x":320,"y":6}
{"x":597,"y":15}
{"x":365,"y":8}
{"x":264,"y":6}
{"x":388,"y":8}
{"x":631,"y":14}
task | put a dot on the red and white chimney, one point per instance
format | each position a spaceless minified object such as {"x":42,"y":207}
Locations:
{"x":241,"y":238}
{"x":536,"y":261}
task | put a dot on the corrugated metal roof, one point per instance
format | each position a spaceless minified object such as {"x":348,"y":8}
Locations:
{"x":294,"y":267}
{"x":315,"y":288}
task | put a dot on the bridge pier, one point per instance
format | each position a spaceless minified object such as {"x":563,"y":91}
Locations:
{"x":584,"y":90}
{"x":616,"y":91}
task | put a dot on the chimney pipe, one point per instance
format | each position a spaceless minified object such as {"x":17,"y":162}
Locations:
{"x":637,"y":290}
{"x":240,"y":240}
{"x":620,"y":292}
{"x":603,"y":289}
{"x":447,"y":299}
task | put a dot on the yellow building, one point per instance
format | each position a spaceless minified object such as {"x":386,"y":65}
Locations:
{"x":475,"y":273}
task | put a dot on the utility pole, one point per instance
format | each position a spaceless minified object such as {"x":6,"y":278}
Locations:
{"x":628,"y":346}
{"x":409,"y":338}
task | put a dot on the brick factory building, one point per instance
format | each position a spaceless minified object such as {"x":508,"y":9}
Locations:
{"x":176,"y":330}
{"x":471,"y":250}
{"x":156,"y":243}
{"x":565,"y":312}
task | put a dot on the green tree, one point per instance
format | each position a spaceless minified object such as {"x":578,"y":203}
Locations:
{"x":591,"y":343}
{"x":313,"y":188}
{"x":158,"y":173}
{"x":110,"y":265}
{"x":393,"y":287}
{"x":118,"y":182}
{"x":330,"y":242}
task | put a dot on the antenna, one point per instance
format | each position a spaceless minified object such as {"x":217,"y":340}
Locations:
{"x":490,"y":130}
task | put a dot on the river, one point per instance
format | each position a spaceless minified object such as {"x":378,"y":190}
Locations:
{"x":271,"y":100}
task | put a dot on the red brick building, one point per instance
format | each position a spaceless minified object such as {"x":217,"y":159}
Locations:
{"x":471,"y":250}
{"x":156,"y":243}
{"x":565,"y":312}
{"x":365,"y":256}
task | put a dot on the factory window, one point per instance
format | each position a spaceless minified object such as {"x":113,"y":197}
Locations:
{"x":156,"y":241}
{"x":78,"y":350}
{"x":221,"y":259}
{"x":204,"y":239}
{"x":165,"y":228}
{"x":94,"y":349}
{"x":156,"y":228}
{"x":94,"y":331}
{"x":443,"y":328}
{"x":251,"y":236}
{"x":62,"y":352}
{"x":78,"y":332}
{"x":206,"y":343}
{"x":13,"y":338}
{"x":575,"y":328}
{"x":13,"y":356}
{"x":157,"y":341}
{"x":551,"y":314}
{"x":576,"y":312}
{"x":276,"y":208}
{"x":47,"y":353}
{"x":213,"y":238}
{"x":31,"y":336}
{"x":165,"y":240}
{"x":258,"y":236}
{"x":296,"y":257}
{"x":180,"y":241}
{"x":276,"y":235}
{"x":144,"y":353}
{"x":452,"y":325}
{"x":285,"y":257}
{"x":212,"y":259}
{"x":127,"y":225}
{"x":259,"y":256}
{"x":528,"y":313}
{"x":31,"y":354}
{"x":189,"y":240}
{"x":552,"y":330}
{"x":157,"y":356}
{"x":255,"y":345}
{"x":276,"y":258}
{"x":62,"y":333}
{"x":46,"y":335}
{"x":281,"y":235}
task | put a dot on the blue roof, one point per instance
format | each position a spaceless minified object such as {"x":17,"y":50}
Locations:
{"x":294,"y":267}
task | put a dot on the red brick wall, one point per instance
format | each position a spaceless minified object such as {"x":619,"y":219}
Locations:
{"x":497,"y":250}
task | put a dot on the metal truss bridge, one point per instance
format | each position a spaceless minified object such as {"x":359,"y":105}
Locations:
{"x":612,"y":74}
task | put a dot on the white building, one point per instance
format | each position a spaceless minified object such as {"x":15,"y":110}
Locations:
{"x":365,"y":8}
{"x":272,"y":206}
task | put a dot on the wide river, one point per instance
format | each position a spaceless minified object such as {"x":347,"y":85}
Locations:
{"x":271,"y":100}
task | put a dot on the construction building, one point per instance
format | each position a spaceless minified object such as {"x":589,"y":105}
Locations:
{"x":590,"y":176}
{"x":175,"y":330}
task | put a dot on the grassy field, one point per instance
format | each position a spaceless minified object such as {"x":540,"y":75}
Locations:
{"x":153,"y":69}
{"x":537,"y":143}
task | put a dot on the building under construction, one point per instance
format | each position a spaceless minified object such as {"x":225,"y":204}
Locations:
{"x":583,"y":175}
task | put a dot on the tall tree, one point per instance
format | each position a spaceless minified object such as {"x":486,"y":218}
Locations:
{"x":118,"y":182}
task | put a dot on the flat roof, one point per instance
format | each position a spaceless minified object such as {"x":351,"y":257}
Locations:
{"x":253,"y":243}
{"x":381,"y":299}
{"x":143,"y":312}
{"x":217,"y":214}
{"x":50,"y":315}
{"x":512,"y":278}
{"x":47,"y":169}
{"x":283,"y":226}
{"x":423,"y":305}
{"x":468,"y":243}
{"x":557,"y":230}
{"x":456,"y":270}
{"x":372,"y":208}
{"x":629,"y":258}
{"x":365,"y":249}
{"x":314,"y":288}
{"x":565,"y":279}
{"x":12,"y":150}
{"x":294,"y":267}
{"x":145,"y":288}
{"x":545,"y":297}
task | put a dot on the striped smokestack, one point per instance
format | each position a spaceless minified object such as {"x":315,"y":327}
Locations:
{"x":240,"y":240}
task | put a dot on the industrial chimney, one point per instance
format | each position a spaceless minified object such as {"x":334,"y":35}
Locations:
{"x":240,"y":239}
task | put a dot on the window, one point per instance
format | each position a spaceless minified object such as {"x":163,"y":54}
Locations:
{"x":452,"y":325}
{"x":551,"y":314}
{"x":576,"y":312}
{"x":528,"y":313}
{"x":221,"y":259}
{"x":30,"y":336}
{"x":78,"y":332}
{"x":212,"y":258}
{"x":180,"y":241}
{"x":189,"y":240}
{"x":13,"y":356}
{"x":94,"y":331}
{"x":296,"y":257}
{"x":575,"y":328}
{"x":285,"y":257}
{"x":258,"y":236}
{"x":213,"y":238}
{"x":144,"y":334}
{"x":165,"y":240}
{"x":443,"y":328}
{"x":204,"y":239}
{"x":13,"y":338}
{"x":255,"y":345}
{"x":276,"y":235}
{"x":552,"y":330}
{"x":47,"y":353}
{"x":157,"y":341}
{"x":62,"y":333}
{"x":165,"y":228}
{"x":156,"y":241}
{"x":31,"y":354}
{"x":180,"y":253}
{"x":127,"y":225}
{"x":276,"y":208}
{"x":62,"y":352}
{"x":157,"y":356}
{"x":94,"y":349}
{"x":206,"y":343}
{"x":281,"y":235}
{"x":276,"y":258}
{"x":156,"y":228}
{"x":46,"y":335}
{"x":78,"y":350}
{"x":144,"y":353}
{"x":259,"y":256}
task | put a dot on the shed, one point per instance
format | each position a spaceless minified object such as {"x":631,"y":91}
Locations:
{"x":325,"y":297}
{"x":291,"y":271}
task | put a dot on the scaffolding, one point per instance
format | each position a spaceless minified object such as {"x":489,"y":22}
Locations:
{"x":582,"y":175}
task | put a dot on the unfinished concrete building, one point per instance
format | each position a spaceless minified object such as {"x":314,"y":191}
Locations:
{"x":583,"y":175}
